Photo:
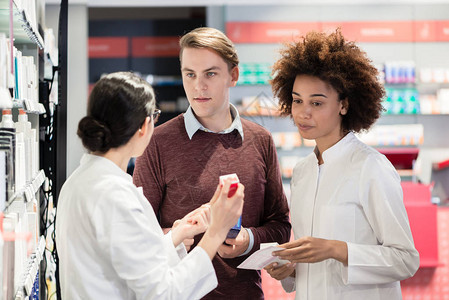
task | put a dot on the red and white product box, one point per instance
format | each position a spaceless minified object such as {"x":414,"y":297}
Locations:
{"x":232,"y":234}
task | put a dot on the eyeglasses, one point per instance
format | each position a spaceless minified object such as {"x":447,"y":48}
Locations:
{"x":155,"y":115}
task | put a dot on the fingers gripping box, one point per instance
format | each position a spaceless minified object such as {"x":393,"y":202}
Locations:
{"x":232,"y":234}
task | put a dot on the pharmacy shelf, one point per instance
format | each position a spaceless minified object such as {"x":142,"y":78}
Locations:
{"x":28,"y":192}
{"x":6,"y":101}
{"x":24,"y":32}
{"x":19,"y":23}
{"x":29,"y":106}
{"x":29,"y":277}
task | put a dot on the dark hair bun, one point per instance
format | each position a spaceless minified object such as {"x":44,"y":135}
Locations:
{"x":95,"y":135}
{"x":118,"y":106}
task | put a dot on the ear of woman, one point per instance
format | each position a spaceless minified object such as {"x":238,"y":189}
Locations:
{"x":344,"y":108}
{"x":145,"y":126}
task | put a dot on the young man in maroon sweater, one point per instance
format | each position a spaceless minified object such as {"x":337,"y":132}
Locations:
{"x":181,"y":166}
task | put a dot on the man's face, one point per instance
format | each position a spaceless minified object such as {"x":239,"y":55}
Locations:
{"x":206,"y":79}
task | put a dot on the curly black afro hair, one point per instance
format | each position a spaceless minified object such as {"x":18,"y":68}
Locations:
{"x":341,"y":64}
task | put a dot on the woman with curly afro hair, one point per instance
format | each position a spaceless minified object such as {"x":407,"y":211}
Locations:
{"x":352,"y":235}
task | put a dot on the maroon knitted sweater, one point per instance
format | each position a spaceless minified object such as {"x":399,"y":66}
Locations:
{"x":178,"y":175}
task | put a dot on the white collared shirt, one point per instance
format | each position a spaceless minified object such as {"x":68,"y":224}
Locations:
{"x":355,"y":196}
{"x":111,"y":246}
{"x":193,"y":125}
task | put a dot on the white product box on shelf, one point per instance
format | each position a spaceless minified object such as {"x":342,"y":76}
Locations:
{"x":443,"y":100}
{"x":394,"y":135}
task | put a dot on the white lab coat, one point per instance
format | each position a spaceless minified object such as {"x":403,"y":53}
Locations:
{"x":111,"y":246}
{"x":356,"y":197}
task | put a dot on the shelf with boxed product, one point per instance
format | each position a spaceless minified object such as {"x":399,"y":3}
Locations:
{"x":435,"y":103}
{"x":408,"y":93}
{"x":394,"y":135}
{"x":434,"y":75}
{"x":405,"y":72}
{"x":18,"y":78}
{"x":19,"y":154}
{"x":28,"y":286}
{"x":24,"y":24}
{"x":401,"y":101}
{"x":22,"y":254}
{"x":27,"y":193}
{"x":408,"y":100}
{"x":254,"y":74}
{"x":398,"y":72}
{"x":23,"y":203}
{"x":23,"y":246}
{"x":29,"y":106}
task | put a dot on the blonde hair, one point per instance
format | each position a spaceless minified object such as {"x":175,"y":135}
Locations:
{"x":211,"y":38}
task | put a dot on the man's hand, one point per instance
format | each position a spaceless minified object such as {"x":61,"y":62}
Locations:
{"x":236,"y":246}
{"x":281,"y":272}
{"x":193,"y":223}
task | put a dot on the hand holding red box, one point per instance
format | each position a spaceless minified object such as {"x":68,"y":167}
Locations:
{"x":234,"y":183}
{"x":232,"y":189}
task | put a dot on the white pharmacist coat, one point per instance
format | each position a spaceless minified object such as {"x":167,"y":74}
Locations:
{"x":354,"y":196}
{"x":111,"y":246}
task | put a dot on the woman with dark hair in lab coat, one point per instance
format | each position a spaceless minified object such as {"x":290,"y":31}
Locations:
{"x":109,"y":242}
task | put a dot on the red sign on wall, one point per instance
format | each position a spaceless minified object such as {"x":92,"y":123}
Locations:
{"x":370,"y":31}
{"x":108,"y":47}
{"x":155,"y":46}
{"x":424,"y":31}
{"x":266,"y":32}
{"x":442,"y":31}
{"x":375,"y":32}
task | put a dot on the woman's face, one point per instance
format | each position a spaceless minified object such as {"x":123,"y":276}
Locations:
{"x":316,"y":111}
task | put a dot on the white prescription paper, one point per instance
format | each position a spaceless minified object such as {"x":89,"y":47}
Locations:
{"x":261,"y":258}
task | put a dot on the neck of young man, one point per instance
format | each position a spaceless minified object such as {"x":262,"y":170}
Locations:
{"x":217,"y":122}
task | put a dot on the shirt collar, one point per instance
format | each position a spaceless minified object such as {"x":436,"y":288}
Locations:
{"x":90,"y":159}
{"x":339,"y":149}
{"x":192,"y":124}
